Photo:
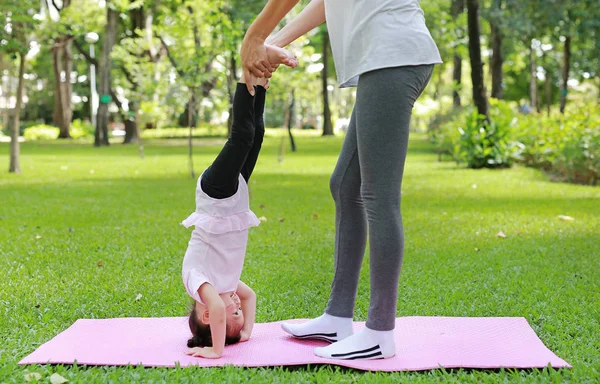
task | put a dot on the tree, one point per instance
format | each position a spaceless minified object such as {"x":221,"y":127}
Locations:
{"x":327,"y":125}
{"x":195,"y":29}
{"x":479,"y":92}
{"x":104,"y":82}
{"x":16,"y":25}
{"x":497,"y":59}
{"x":458,"y":7}
{"x":62,"y":65}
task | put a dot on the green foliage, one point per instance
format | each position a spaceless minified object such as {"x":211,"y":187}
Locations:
{"x":568,"y":146}
{"x":17,"y":22}
{"x":151,"y":114}
{"x":478,"y":143}
{"x":41,"y":132}
{"x":81,"y":129}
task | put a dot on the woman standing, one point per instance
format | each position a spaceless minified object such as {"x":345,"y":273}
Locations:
{"x":385,"y":49}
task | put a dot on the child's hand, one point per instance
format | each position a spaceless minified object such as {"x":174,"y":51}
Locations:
{"x":206,"y":352}
{"x":244,"y":336}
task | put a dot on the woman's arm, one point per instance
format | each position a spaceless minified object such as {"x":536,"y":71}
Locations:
{"x":253,"y":53}
{"x":216,"y":310}
{"x":248,"y":301}
{"x":311,"y":17}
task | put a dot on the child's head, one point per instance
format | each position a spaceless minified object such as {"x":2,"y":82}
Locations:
{"x":199,"y":322}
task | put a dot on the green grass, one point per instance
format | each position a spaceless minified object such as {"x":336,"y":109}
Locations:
{"x":75,"y":205}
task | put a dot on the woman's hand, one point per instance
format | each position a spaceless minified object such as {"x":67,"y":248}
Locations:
{"x":206,"y":352}
{"x":254,"y":57}
{"x":255,"y":62}
{"x":253,"y":53}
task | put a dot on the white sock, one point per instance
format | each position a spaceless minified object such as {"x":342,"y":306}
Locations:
{"x":325,"y":327}
{"x":366,"y":344}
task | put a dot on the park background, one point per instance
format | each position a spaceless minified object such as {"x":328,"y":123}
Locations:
{"x":109,"y":110}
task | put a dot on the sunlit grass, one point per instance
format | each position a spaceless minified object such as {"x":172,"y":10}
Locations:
{"x":75,"y":205}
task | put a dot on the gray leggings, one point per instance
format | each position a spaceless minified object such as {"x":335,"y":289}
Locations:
{"x":366,"y":188}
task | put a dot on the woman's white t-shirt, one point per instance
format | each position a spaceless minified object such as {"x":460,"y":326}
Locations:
{"x":372,"y":34}
{"x":217,"y":249}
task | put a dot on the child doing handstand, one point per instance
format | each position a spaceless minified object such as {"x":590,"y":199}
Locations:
{"x":224,"y":307}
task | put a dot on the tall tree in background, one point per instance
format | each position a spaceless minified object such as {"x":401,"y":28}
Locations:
{"x":192,"y":50}
{"x":496,"y":59}
{"x":458,"y":7}
{"x":62,"y":66}
{"x":104,"y":85}
{"x":479,"y":93}
{"x":327,"y":125}
{"x":16,"y":25}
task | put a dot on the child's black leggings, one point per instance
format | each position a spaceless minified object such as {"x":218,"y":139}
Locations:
{"x":241,"y":150}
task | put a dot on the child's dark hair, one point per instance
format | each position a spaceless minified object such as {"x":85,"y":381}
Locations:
{"x":201,"y":336}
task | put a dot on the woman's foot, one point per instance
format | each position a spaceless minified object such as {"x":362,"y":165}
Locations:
{"x":325,"y":327}
{"x":366,"y":344}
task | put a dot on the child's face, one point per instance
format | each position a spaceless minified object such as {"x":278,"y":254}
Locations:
{"x":235,"y":317}
{"x":233,"y":312}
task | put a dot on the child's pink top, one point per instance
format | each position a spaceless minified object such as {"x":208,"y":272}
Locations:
{"x":216,"y":251}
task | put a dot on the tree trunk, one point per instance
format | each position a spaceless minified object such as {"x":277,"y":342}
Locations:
{"x":5,"y":87}
{"x":457,"y":80}
{"x":497,"y":58}
{"x":291,"y":119}
{"x":479,"y":92}
{"x":231,"y":81}
{"x":565,"y":74}
{"x":63,"y":90}
{"x":191,"y":107}
{"x":458,"y":7}
{"x":438,"y":93}
{"x":598,"y":88}
{"x":15,"y":166}
{"x":327,"y":125}
{"x":101,"y":136}
{"x":139,"y":134}
{"x":138,"y":23}
{"x":532,"y":78}
{"x":131,"y":126}
{"x":189,"y":117}
{"x":548,"y":86}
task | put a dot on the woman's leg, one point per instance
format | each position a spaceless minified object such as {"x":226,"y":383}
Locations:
{"x":350,"y":242}
{"x":384,"y":103}
{"x":350,"y":225}
{"x":220,"y":180}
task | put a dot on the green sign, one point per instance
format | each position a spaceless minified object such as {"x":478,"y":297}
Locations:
{"x":105,"y":99}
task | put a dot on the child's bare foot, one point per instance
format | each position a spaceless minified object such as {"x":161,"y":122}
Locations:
{"x":278,"y":56}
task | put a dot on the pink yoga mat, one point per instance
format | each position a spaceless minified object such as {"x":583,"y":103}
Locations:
{"x":422,"y":343}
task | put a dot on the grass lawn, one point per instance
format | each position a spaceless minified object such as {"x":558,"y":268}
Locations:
{"x":75,"y":206}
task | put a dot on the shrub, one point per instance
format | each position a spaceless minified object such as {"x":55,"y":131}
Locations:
{"x":567,"y":145}
{"x":80,"y":129}
{"x":41,"y":132}
{"x":471,"y":139}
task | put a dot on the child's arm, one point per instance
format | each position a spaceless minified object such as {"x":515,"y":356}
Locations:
{"x":311,"y":16}
{"x":248,"y":301}
{"x":216,"y":309}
